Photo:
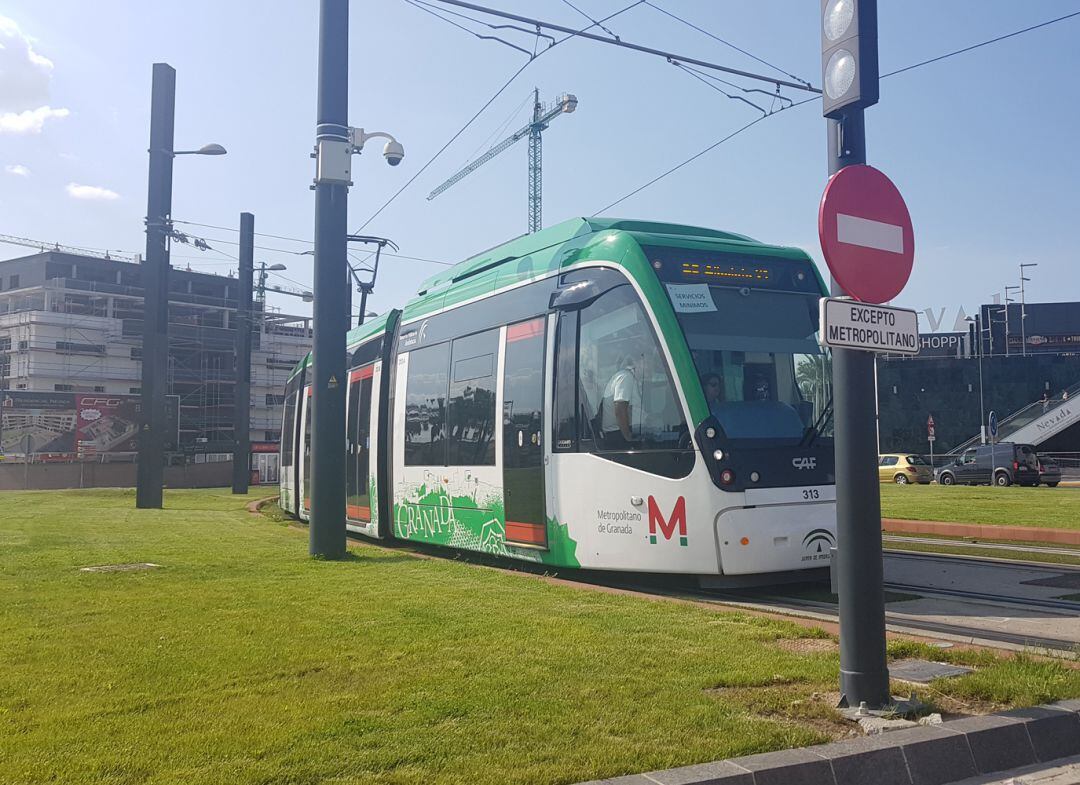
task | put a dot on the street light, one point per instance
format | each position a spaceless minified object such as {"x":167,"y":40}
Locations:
{"x":263,"y":270}
{"x":1007,"y":301}
{"x":206,"y":149}
{"x":1023,"y":307}
{"x":982,"y":405}
{"x":155,"y":282}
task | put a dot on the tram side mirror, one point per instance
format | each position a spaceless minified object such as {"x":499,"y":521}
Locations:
{"x":575,"y":296}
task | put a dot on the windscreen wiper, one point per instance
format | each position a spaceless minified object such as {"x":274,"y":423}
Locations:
{"x":815,"y":430}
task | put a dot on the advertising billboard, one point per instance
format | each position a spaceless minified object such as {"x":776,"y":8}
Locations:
{"x":76,"y":424}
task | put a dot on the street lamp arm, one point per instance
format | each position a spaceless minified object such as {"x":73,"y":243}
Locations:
{"x":358,"y":136}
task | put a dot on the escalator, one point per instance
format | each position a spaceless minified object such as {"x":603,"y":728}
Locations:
{"x":1036,"y":422}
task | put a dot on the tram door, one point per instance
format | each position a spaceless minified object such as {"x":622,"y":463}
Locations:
{"x":358,"y":459}
{"x":305,"y":456}
{"x":523,"y":433}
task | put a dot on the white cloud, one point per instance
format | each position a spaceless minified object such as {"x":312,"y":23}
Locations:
{"x":91,"y":192}
{"x":30,"y":121}
{"x":18,"y":169}
{"x":24,"y":72}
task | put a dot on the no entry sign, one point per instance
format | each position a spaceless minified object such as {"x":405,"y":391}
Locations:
{"x":866,"y":234}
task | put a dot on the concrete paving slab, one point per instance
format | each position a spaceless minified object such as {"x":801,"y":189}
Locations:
{"x":919,"y":671}
{"x":997,"y":743}
{"x":1001,"y":748}
{"x":1060,"y":772}
{"x":1054,"y":731}
{"x":788,"y":767}
{"x":934,"y":755}
{"x":867,"y":760}
{"x":719,"y":773}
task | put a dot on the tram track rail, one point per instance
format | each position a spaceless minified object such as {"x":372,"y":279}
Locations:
{"x":988,"y":546}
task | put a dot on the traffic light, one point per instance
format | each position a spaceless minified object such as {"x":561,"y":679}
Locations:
{"x":849,"y":63}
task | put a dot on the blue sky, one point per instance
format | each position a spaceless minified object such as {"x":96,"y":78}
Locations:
{"x":982,"y":145}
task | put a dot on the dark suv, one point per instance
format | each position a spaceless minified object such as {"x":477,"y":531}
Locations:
{"x":1001,"y":464}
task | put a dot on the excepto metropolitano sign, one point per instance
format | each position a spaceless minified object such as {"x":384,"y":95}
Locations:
{"x":849,"y":324}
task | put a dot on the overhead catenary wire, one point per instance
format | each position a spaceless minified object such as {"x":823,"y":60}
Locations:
{"x":981,"y":44}
{"x":489,"y":25}
{"x":629,"y":45}
{"x":911,"y":67}
{"x":292,"y":240}
{"x":472,"y":119}
{"x":720,"y":90}
{"x":595,"y":22}
{"x":423,"y":7}
{"x":715,"y":37}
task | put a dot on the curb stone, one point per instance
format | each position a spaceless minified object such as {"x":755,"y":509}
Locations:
{"x":926,"y":755}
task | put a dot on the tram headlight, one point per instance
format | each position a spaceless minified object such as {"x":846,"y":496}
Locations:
{"x":727,"y":477}
{"x":718,"y":455}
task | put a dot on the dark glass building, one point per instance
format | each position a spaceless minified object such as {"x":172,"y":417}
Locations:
{"x":1022,"y":358}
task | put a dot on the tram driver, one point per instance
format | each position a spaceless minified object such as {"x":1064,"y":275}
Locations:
{"x":622,"y":398}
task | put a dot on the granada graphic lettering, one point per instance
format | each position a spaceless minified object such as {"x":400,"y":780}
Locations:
{"x":667,"y":525}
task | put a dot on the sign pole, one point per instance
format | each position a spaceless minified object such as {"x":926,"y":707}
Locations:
{"x":864,"y":673}
{"x":331,"y":312}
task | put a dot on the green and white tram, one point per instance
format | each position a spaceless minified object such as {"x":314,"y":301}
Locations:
{"x":605,"y":394}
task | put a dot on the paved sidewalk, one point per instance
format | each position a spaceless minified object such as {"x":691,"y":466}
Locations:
{"x":1062,"y":772}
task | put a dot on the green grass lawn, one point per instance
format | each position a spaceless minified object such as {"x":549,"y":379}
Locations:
{"x":241,"y":660}
{"x":1057,"y":508}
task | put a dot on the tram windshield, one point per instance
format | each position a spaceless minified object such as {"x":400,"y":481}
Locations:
{"x":754,"y":345}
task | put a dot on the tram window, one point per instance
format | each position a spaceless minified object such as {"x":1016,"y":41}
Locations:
{"x":425,"y":406}
{"x":471,"y":414}
{"x":626,"y":393}
{"x":287,"y":430}
{"x":565,"y":406}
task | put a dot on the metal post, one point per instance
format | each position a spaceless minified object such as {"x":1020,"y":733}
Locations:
{"x":1023,"y":315}
{"x":1007,"y":321}
{"x":864,"y":673}
{"x":363,"y":305}
{"x":242,"y":398}
{"x":155,"y":281}
{"x":982,"y":405}
{"x":327,"y":531}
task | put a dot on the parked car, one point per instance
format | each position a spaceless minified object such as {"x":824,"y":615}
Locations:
{"x":1001,"y":464}
{"x":1049,"y":472}
{"x":903,"y":469}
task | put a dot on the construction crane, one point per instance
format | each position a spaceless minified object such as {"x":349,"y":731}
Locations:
{"x":72,"y":249}
{"x":542,"y":117}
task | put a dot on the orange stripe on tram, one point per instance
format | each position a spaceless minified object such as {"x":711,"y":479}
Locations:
{"x":362,"y":373}
{"x":358,"y":513}
{"x":528,"y":533}
{"x":523,"y":330}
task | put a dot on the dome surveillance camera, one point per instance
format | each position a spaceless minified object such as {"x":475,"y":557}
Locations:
{"x":393,"y":152}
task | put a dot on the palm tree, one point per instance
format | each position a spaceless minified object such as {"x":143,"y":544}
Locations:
{"x":813,"y":374}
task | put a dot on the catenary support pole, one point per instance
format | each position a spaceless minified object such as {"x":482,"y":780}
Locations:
{"x":327,"y":531}
{"x":155,"y":281}
{"x":242,"y":405}
{"x":864,"y":674}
